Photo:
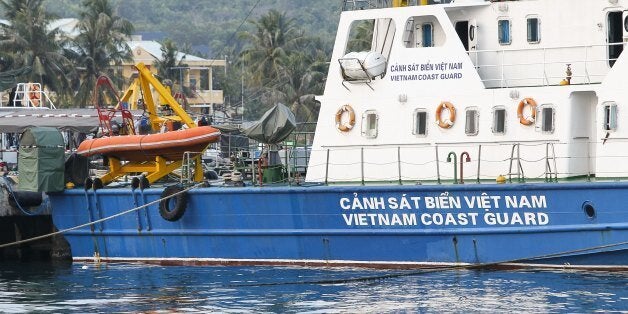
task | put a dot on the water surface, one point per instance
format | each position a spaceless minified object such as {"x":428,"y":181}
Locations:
{"x":143,"y":288}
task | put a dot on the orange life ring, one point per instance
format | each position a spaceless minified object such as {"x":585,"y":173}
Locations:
{"x":34,"y":94}
{"x":448,"y":122}
{"x":522,"y":104}
{"x":347,"y":126}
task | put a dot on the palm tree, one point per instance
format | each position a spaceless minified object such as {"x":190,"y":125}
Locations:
{"x":28,"y":41}
{"x":100,"y":46}
{"x":274,"y":34}
{"x":168,"y":61}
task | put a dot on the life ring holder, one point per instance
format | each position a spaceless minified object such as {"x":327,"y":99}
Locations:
{"x":173,"y":208}
{"x":347,"y":126}
{"x":522,"y":104}
{"x":449,"y":121}
{"x":34,"y":94}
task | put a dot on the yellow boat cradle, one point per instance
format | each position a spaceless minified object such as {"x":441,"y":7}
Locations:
{"x":159,"y":167}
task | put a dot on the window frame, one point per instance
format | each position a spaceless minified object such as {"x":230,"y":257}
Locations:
{"x":541,"y":114}
{"x":414,"y":122}
{"x":499,"y":31}
{"x":476,"y":121}
{"x":610,"y":116}
{"x":365,"y":124}
{"x":538,"y":29}
{"x":494,"y":126}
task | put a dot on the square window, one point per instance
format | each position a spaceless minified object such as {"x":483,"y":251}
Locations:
{"x":471,"y":122}
{"x":499,"y":121}
{"x":503,"y":29}
{"x":547,"y":119}
{"x":610,"y":117}
{"x":420,"y":122}
{"x":534,"y":30}
{"x":369,"y":124}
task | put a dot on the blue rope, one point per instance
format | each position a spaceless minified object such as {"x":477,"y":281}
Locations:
{"x":42,"y":207}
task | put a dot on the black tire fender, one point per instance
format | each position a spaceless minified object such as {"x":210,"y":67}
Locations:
{"x":173,"y":208}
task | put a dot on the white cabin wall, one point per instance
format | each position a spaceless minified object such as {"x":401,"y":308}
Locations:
{"x":353,"y":157}
{"x":533,"y":64}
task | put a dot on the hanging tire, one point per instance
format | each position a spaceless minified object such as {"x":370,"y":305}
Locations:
{"x":172,"y":209}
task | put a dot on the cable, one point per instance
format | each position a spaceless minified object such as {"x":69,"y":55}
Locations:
{"x":99,"y":220}
{"x":235,"y":32}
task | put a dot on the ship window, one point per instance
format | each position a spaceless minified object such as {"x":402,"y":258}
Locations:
{"x":610,"y":116}
{"x":371,"y":35}
{"x":472,"y":121}
{"x":423,"y":31}
{"x":420,"y":122}
{"x":534,"y":30}
{"x":360,"y":36}
{"x":503,"y":29}
{"x":547,"y":119}
{"x":369,"y":124}
{"x":499,"y":120}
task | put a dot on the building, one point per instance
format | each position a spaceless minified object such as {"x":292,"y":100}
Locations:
{"x":197,"y":76}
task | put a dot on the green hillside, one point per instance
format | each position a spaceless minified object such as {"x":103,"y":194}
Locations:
{"x":211,"y":23}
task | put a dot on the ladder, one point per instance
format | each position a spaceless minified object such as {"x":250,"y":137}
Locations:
{"x":515,"y":155}
{"x":548,"y":167}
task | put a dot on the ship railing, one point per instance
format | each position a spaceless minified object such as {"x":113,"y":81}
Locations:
{"x":531,"y":161}
{"x":513,"y":68}
{"x":31,"y":96}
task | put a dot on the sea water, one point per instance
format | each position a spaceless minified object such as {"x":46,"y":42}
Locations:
{"x":86,"y":288}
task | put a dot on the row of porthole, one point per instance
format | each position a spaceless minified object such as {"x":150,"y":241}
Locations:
{"x":345,"y":125}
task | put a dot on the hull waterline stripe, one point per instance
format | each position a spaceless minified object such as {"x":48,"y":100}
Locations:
{"x":437,"y":266}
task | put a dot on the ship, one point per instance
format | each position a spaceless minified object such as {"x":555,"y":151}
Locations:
{"x":460,"y":133}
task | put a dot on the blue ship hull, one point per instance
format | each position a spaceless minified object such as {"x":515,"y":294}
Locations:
{"x":555,"y":225}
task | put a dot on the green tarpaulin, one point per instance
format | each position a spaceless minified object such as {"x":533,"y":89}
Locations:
{"x":273,"y":127}
{"x":41,"y":160}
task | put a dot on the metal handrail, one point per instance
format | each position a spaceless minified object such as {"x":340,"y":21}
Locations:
{"x":502,"y":66}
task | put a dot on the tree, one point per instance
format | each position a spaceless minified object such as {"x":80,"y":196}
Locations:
{"x":100,"y":46}
{"x":28,"y":41}
{"x":274,"y":33}
{"x":165,"y":66}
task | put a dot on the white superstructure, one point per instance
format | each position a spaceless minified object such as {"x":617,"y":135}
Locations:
{"x":538,"y":88}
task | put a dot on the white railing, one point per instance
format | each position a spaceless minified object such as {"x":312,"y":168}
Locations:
{"x":513,"y":67}
{"x":533,"y":161}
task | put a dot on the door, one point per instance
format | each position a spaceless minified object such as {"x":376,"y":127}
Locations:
{"x":462,"y":28}
{"x":615,"y":35}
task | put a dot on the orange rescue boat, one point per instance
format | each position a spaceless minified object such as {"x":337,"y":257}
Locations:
{"x":169,"y":145}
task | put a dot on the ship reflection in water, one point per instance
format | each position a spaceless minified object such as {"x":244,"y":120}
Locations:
{"x":141,"y":288}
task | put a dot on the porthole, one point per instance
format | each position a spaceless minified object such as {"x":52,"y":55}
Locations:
{"x":588,"y":209}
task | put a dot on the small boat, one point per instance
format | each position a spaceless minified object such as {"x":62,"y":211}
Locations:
{"x":169,"y":145}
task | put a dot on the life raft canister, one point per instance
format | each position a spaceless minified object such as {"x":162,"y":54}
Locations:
{"x":448,"y":122}
{"x":522,"y":104}
{"x":348,"y":125}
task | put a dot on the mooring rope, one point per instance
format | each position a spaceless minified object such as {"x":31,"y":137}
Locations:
{"x":99,"y":220}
